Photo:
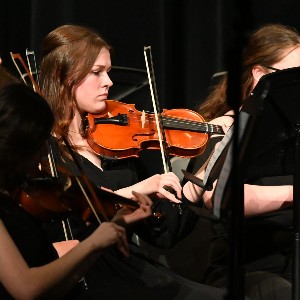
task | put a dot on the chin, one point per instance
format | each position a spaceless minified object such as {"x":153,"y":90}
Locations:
{"x":100,"y":108}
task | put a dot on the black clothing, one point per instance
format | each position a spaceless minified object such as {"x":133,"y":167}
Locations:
{"x":136,"y":277}
{"x":178,"y":221}
{"x":113,"y":277}
{"x":196,"y":163}
{"x":267,"y":243}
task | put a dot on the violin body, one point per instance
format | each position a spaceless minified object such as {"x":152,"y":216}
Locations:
{"x":48,"y":198}
{"x":123,"y":131}
{"x":42,"y":198}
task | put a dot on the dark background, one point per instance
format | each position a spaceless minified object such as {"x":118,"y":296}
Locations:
{"x":190,"y":40}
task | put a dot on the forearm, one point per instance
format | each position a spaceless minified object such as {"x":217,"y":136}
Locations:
{"x":156,"y":184}
{"x":147,"y":186}
{"x":50,"y":281}
{"x":264,"y":199}
{"x":257,"y":199}
{"x":193,"y":192}
{"x":61,"y":275}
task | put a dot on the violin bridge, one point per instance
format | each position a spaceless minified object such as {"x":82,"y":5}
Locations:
{"x":143,"y":119}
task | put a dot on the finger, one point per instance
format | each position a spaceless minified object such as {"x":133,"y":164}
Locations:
{"x":176,"y":183}
{"x":173,"y":181}
{"x":142,"y":198}
{"x":171,"y":189}
{"x":169,"y":196}
{"x":178,"y":190}
{"x":124,"y":211}
{"x":225,"y":127}
{"x":137,"y":217}
{"x":106,"y":189}
{"x":123,"y":245}
{"x":146,"y":210}
{"x":172,"y":175}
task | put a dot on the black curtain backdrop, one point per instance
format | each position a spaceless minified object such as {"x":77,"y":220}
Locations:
{"x":190,"y":39}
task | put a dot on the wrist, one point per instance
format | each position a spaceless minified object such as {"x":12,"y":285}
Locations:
{"x":192,"y":192}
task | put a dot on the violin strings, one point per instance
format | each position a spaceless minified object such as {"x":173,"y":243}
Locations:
{"x":191,"y":125}
{"x":184,"y":124}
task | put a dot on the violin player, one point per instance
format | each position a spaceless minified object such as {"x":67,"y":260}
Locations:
{"x":74,"y":79}
{"x":86,"y":86}
{"x":267,"y":200}
{"x":30,"y":267}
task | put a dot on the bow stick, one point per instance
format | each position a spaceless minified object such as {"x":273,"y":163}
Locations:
{"x":157,"y":112}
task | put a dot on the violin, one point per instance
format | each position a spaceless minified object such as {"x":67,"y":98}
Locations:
{"x":48,"y":198}
{"x":123,"y":131}
{"x":42,"y":198}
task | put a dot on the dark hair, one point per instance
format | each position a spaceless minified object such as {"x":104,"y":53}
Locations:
{"x":26,"y":121}
{"x":6,"y":77}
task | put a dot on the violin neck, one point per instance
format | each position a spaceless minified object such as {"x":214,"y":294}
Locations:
{"x":195,"y":126}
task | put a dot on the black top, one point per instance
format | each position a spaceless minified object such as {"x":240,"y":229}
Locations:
{"x":112,"y":276}
{"x":177,"y":221}
{"x":137,"y":277}
{"x":268,"y":237}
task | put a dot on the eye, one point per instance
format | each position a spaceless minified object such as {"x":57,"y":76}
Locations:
{"x":98,"y":72}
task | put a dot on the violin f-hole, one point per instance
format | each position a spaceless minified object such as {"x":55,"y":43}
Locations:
{"x":141,"y":134}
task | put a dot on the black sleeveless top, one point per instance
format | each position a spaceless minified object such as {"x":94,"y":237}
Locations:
{"x":164,"y":232}
{"x":267,"y":237}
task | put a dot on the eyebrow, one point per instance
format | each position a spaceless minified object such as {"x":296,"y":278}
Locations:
{"x":101,"y":66}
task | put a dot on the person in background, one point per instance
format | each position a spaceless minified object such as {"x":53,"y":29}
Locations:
{"x":267,"y":201}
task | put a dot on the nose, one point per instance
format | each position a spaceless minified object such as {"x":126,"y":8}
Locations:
{"x":107,"y":81}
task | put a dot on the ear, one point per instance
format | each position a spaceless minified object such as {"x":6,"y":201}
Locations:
{"x":257,"y":72}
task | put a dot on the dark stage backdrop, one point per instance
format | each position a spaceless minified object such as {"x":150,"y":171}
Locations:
{"x":189,"y":38}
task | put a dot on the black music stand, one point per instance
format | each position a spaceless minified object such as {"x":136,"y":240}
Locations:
{"x":269,"y":145}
